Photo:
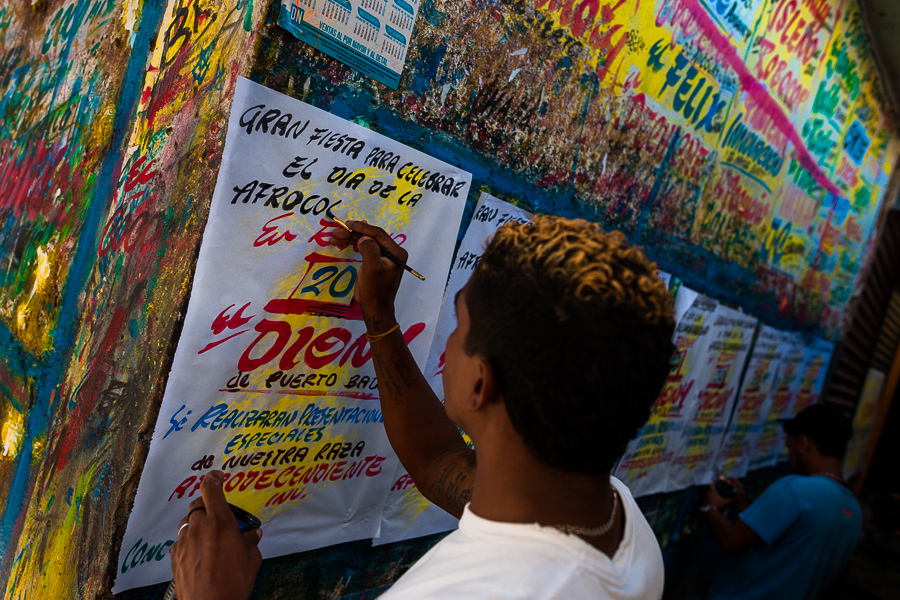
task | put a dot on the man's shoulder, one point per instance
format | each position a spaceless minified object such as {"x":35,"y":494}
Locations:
{"x":803,"y":489}
{"x":828,"y":495}
{"x":818,"y":500}
{"x":489,"y":559}
{"x":800,"y":486}
{"x":779,"y":491}
{"x":481,"y":562}
{"x":789,"y":480}
{"x":805,"y":486}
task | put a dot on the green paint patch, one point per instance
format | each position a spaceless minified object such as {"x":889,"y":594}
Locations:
{"x":248,"y":16}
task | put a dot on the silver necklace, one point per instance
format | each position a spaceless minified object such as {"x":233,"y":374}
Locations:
{"x":593,"y":531}
{"x":837,"y":478}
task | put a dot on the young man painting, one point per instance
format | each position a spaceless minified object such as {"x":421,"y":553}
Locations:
{"x":562,"y":346}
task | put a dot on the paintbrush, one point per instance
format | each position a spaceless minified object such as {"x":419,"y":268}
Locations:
{"x":384,"y":252}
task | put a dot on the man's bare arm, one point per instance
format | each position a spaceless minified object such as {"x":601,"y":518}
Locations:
{"x":428,"y":444}
{"x":451,"y":488}
{"x":734,"y":536}
{"x":426,"y":441}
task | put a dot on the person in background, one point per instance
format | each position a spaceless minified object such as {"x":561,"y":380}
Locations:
{"x":799,"y":535}
{"x":562,"y":345}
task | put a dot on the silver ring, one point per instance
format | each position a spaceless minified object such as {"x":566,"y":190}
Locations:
{"x":182,"y":527}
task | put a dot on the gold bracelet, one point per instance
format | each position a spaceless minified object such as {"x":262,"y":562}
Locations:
{"x":375,"y":338}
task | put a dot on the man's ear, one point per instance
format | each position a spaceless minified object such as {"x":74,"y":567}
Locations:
{"x":803,"y":443}
{"x":486,"y":390}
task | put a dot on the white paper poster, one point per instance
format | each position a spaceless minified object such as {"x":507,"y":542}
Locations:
{"x":490,"y":213}
{"x":770,"y":442}
{"x":813,"y":370}
{"x":790,"y":376}
{"x":648,"y":457}
{"x":407,"y":514}
{"x":272,"y":380}
{"x":753,"y":403}
{"x":666,"y":277}
{"x":805,"y":386}
{"x":711,"y":399}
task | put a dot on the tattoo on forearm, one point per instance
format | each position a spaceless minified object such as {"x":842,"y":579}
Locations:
{"x":400,"y":382}
{"x":397,"y":377}
{"x":452,"y":488}
{"x":387,"y":380}
{"x":406,"y":375}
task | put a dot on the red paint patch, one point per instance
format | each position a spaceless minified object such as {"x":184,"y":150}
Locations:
{"x":35,"y":170}
{"x":89,"y":392}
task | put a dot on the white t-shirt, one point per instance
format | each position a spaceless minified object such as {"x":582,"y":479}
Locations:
{"x":487,"y":559}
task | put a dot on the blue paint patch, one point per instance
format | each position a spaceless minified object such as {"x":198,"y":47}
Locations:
{"x":856,"y":142}
{"x":563,"y":69}
{"x":428,"y":12}
{"x":423,"y":70}
{"x":187,"y":211}
{"x":840,"y":209}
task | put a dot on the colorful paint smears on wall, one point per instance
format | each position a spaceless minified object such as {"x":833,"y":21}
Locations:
{"x":750,"y":137}
{"x":57,"y":102}
{"x":745,"y":143}
{"x":112,"y":117}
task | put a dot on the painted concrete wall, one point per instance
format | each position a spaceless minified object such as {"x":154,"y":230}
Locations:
{"x":112,"y":131}
{"x":745,"y":143}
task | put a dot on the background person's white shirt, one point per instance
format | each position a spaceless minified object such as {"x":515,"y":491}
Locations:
{"x":488,"y":559}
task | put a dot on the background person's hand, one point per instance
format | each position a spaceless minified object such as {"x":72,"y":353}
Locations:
{"x":379,"y":278}
{"x":740,"y":496}
{"x":212,"y":559}
{"x":713,"y":498}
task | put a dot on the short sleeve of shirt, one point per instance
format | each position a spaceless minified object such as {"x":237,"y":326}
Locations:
{"x":773,"y":513}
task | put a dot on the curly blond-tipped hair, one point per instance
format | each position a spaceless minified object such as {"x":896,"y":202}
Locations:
{"x":578,"y":327}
